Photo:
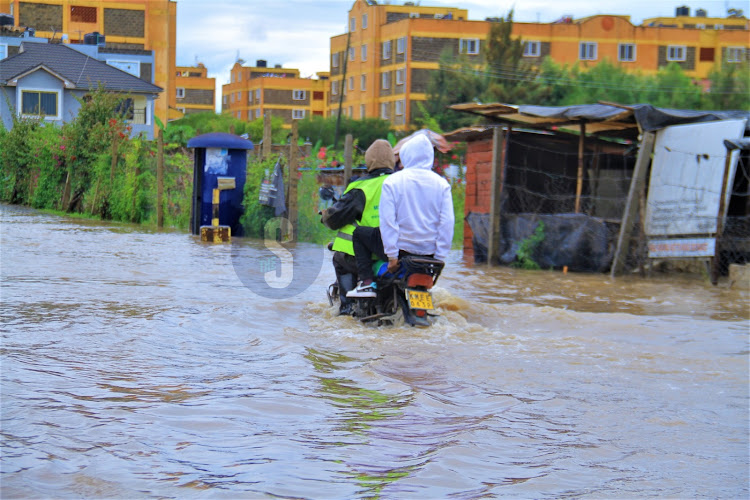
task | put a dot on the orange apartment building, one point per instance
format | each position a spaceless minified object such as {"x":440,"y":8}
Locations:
{"x":127,"y":25}
{"x":195,"y":92}
{"x":392,"y":49}
{"x":258,"y":90}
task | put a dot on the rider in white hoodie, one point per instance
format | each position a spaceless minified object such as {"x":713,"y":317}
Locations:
{"x":416,"y":216}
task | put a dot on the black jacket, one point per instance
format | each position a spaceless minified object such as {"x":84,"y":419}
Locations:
{"x":350,"y":206}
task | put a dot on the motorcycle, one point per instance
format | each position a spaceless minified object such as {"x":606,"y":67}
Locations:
{"x":404,"y":294}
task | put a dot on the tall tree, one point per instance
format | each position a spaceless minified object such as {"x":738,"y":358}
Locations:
{"x":510,"y":78}
{"x":730,"y":87}
{"x":456,"y":81}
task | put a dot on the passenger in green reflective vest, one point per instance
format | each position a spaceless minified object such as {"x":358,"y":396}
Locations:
{"x":358,"y":206}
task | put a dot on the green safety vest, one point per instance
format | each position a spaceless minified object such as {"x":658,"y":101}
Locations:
{"x":371,"y":187}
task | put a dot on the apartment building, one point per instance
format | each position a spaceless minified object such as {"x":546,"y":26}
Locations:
{"x":381,"y":66}
{"x":254,"y":91}
{"x":123,"y":27}
{"x":195,"y":92}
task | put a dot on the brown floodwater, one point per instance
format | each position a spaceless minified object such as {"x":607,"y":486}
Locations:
{"x":145,"y":364}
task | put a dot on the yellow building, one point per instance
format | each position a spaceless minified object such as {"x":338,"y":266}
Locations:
{"x":195,"y":92}
{"x":258,"y":90}
{"x":127,"y":25}
{"x":382,"y":66}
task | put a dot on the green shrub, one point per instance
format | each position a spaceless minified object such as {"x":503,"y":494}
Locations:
{"x":525,"y":252}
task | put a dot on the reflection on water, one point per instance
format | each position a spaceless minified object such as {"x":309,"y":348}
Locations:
{"x":137,"y":363}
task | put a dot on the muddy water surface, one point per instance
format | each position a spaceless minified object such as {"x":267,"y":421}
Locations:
{"x":137,"y":364}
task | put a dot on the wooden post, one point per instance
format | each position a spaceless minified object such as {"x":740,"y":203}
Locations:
{"x":581,"y":148}
{"x":266,"y":136}
{"x":66,"y":192}
{"x":114,"y":163}
{"x":293,"y":173}
{"x":499,"y":146}
{"x":631,"y":206}
{"x":160,"y":180}
{"x":348,"y":147}
{"x":720,"y":218}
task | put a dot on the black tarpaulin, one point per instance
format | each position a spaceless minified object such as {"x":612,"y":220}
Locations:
{"x":578,"y":241}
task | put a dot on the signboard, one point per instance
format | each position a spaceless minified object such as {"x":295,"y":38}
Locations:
{"x":682,"y":247}
{"x":686,"y":175}
{"x":685,"y":187}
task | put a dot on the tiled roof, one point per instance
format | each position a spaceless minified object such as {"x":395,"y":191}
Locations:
{"x":82,"y":71}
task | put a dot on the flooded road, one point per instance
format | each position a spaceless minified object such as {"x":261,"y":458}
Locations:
{"x":141,"y":364}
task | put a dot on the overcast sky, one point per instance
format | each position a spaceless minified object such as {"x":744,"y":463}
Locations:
{"x":296,"y":33}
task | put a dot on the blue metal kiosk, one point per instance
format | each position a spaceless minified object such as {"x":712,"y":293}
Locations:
{"x":219,"y":172}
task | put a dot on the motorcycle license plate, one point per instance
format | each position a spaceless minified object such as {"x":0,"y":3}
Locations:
{"x":419,"y":299}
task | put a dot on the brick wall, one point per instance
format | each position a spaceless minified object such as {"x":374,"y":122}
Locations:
{"x":124,"y":22}
{"x":419,"y":79}
{"x":125,"y":48}
{"x":429,"y":49}
{"x":478,"y":183}
{"x":40,"y":16}
{"x":196,"y":96}
{"x":275,"y":96}
{"x":146,"y":72}
{"x":688,"y":64}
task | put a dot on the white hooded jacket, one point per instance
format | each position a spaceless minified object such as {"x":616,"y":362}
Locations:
{"x":416,"y":208}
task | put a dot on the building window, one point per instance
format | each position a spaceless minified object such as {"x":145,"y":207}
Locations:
{"x":364,"y":52}
{"x":239,"y":96}
{"x":351,"y":83}
{"x":384,"y":110}
{"x":334,"y":88}
{"x":387,"y":49}
{"x":362,"y":111}
{"x":257,"y":95}
{"x":298,"y":114}
{"x":401,"y":45}
{"x":675,"y":53}
{"x":351,"y":112}
{"x":239,"y":115}
{"x":735,"y":54}
{"x":239,"y":76}
{"x":352,"y":24}
{"x":132,"y":67}
{"x":400,"y":76}
{"x":180,"y":92}
{"x":587,"y":51}
{"x":363,"y":83}
{"x":335,"y":60}
{"x":468,"y":46}
{"x":299,"y":95}
{"x":224,"y":100}
{"x":257,"y":113}
{"x":364,"y":21}
{"x":352,"y":53}
{"x":3,"y":50}
{"x":40,"y":103}
{"x":400,"y":107}
{"x":231,"y":97}
{"x":626,"y":52}
{"x":385,"y":80}
{"x":532,"y":49}
{"x":249,"y":96}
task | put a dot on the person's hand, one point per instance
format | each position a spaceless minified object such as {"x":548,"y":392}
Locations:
{"x":392,"y":265}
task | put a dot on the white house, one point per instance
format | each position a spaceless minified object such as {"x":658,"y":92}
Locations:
{"x":43,"y":80}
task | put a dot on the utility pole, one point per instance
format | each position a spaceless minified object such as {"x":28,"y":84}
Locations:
{"x":341,"y":91}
